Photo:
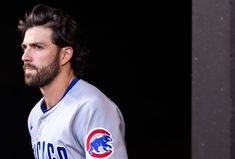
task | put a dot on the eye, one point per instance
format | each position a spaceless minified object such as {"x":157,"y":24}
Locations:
{"x":37,"y":47}
{"x":23,"y":47}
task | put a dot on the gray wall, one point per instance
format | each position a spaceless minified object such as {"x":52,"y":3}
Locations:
{"x":211,"y":100}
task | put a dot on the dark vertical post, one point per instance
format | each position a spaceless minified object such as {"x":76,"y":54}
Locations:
{"x":211,"y":98}
{"x":232,"y":31}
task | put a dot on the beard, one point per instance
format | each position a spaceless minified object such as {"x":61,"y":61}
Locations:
{"x":44,"y":76}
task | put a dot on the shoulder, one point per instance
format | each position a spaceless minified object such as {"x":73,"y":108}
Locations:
{"x":87,"y":93}
{"x":90,"y":99}
{"x":85,"y":88}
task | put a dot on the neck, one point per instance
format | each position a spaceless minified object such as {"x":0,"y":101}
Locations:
{"x":56,"y":89}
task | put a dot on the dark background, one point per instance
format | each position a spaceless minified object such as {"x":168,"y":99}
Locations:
{"x":135,"y":61}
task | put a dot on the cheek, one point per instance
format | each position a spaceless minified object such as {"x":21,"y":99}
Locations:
{"x":42,"y":62}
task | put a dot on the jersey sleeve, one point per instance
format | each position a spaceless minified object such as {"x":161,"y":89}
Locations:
{"x":100,"y":129}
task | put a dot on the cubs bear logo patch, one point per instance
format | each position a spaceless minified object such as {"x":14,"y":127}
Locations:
{"x":99,"y":143}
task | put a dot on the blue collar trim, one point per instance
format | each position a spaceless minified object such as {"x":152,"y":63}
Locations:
{"x":44,"y":106}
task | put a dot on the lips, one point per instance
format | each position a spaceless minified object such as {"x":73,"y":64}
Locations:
{"x":28,"y":70}
{"x":29,"y":67}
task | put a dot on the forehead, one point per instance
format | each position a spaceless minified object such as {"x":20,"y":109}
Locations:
{"x":38,"y":34}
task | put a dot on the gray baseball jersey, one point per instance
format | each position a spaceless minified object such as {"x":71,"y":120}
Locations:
{"x":84,"y":124}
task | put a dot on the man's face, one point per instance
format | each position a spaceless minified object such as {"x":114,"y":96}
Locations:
{"x":41,"y":57}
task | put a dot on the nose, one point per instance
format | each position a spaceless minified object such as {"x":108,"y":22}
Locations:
{"x":26,"y":56}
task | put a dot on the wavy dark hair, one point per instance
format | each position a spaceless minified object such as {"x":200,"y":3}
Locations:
{"x":65,"y":32}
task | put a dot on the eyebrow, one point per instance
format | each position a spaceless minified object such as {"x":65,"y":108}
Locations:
{"x":32,"y":44}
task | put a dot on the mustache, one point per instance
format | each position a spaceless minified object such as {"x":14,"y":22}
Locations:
{"x":28,"y":65}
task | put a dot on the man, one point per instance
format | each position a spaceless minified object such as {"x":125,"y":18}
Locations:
{"x":73,"y":119}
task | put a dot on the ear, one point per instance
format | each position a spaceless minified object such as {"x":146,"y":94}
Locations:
{"x":66,"y":55}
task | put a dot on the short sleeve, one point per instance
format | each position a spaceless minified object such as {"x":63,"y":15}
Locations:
{"x":100,"y":129}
